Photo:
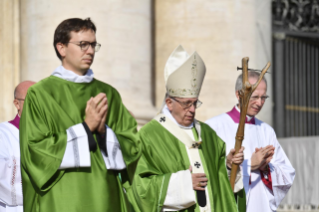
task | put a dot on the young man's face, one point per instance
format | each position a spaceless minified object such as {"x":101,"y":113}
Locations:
{"x":73,"y":57}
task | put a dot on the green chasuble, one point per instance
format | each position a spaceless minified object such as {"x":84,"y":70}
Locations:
{"x":163,"y":154}
{"x":51,"y":107}
{"x":240,"y":198}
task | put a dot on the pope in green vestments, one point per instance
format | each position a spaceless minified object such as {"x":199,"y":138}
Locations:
{"x":164,"y":154}
{"x":60,"y":171}
{"x":183,"y":163}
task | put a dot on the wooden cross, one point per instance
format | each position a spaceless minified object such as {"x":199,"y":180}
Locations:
{"x":244,"y":97}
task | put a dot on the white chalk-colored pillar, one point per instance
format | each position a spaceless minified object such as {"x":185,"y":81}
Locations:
{"x":9,"y":57}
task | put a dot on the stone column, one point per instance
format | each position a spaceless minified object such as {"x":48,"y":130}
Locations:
{"x":222,"y":32}
{"x":9,"y":57}
{"x":123,"y":29}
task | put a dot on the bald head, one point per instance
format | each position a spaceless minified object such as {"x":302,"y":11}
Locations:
{"x":21,"y":90}
{"x":20,"y":93}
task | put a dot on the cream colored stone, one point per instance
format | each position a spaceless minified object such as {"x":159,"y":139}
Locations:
{"x":9,"y":57}
{"x":222,"y":32}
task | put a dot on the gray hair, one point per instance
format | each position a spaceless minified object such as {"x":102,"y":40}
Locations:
{"x":251,"y":74}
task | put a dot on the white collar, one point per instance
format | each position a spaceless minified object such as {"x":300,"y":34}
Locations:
{"x":62,"y":73}
{"x":166,"y":112}
{"x":248,"y":117}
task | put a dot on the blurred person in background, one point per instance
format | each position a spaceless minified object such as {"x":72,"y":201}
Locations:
{"x":10,"y":176}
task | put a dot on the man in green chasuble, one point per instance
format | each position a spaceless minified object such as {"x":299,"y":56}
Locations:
{"x":76,"y":135}
{"x":183,"y":164}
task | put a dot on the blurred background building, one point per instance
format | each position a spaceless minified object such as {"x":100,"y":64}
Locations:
{"x":137,"y":37}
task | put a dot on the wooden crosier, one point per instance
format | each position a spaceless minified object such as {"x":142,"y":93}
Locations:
{"x":244,"y":96}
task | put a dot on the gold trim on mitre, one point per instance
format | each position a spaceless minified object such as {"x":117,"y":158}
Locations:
{"x":184,"y":74}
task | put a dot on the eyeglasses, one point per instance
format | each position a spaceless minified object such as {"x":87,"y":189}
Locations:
{"x":84,"y":45}
{"x":187,"y":105}
{"x":19,"y":99}
{"x":255,"y":98}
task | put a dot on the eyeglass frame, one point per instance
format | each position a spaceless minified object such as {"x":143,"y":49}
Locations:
{"x":190,"y":105}
{"x":19,"y":99}
{"x":91,"y":44}
{"x":256,"y":98}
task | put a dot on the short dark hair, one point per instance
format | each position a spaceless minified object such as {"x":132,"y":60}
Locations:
{"x":63,"y":31}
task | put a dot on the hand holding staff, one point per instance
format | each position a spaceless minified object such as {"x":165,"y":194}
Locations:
{"x":244,"y":96}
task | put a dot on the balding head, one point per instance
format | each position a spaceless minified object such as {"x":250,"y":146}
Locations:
{"x":21,"y":90}
{"x":252,"y":76}
{"x":20,"y":93}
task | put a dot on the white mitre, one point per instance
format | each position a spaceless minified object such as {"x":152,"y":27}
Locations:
{"x":184,"y":74}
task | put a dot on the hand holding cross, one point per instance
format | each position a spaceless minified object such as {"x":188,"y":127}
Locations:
{"x":244,"y":96}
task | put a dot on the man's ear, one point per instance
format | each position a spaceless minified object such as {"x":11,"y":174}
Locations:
{"x":237,"y":95}
{"x":61,"y":49}
{"x":169,"y":104}
{"x":16,"y":104}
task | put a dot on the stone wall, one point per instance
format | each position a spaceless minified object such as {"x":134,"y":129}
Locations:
{"x":222,"y":32}
{"x":9,"y":56}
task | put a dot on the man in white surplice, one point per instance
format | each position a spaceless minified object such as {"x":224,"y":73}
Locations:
{"x":266,"y":170}
{"x":10,"y":175}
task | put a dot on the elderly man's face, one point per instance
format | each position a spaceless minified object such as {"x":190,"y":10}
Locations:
{"x":183,"y":115}
{"x":21,"y":92}
{"x":257,"y":99}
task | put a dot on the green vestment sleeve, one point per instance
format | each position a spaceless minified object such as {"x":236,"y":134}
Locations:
{"x":125,"y":127}
{"x":222,"y":194}
{"x":42,"y":149}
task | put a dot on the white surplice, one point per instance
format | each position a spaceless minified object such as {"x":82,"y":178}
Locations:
{"x":258,"y":197}
{"x":10,"y":176}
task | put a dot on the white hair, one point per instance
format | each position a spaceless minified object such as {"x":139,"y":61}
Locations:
{"x":251,"y":74}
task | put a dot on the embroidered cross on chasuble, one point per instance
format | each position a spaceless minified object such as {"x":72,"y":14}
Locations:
{"x":192,"y":144}
{"x":197,"y":164}
{"x":194,"y":157}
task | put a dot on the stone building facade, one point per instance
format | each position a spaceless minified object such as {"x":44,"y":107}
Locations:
{"x":137,"y":37}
